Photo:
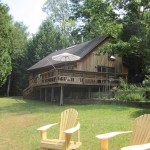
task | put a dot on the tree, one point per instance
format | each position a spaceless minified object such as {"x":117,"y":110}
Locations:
{"x":5,"y":43}
{"x":99,"y":19}
{"x":60,"y":14}
{"x":134,"y":40}
{"x":128,"y":22}
{"x":45,"y":41}
{"x":16,"y":80}
{"x":57,"y":10}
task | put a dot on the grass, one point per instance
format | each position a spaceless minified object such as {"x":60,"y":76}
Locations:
{"x":20,"y":118}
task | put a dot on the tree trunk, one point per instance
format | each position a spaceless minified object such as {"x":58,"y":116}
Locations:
{"x":8,"y":87}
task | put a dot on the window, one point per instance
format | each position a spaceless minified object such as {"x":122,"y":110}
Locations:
{"x":111,"y":69}
{"x":105,"y":69}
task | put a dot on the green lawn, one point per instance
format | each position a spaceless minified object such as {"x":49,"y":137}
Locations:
{"x":20,"y":118}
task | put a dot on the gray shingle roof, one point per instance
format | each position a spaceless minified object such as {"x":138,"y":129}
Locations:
{"x":80,"y":50}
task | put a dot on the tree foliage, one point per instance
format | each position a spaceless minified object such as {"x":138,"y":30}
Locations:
{"x":5,"y":43}
{"x":135,"y":34}
{"x":99,"y":18}
{"x":127,"y":21}
{"x":19,"y":58}
{"x":46,"y":40}
{"x":60,"y":13}
{"x":58,"y":10}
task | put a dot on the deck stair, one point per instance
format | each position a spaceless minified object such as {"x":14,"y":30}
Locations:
{"x":28,"y":91}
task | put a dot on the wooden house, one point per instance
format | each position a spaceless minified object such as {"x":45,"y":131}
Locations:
{"x":88,"y":77}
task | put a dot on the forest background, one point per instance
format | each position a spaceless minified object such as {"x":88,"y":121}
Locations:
{"x":67,"y":22}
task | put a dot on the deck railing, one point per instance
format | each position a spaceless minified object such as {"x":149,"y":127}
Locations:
{"x":76,"y":77}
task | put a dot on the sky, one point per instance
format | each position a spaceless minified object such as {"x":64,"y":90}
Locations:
{"x":27,"y":11}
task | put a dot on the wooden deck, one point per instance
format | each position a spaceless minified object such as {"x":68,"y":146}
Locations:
{"x":71,"y":78}
{"x":62,"y":76}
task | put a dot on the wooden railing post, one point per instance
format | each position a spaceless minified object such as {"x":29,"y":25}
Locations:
{"x":77,"y":77}
{"x":57,"y":72}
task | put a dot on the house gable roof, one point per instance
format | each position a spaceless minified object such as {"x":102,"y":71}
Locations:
{"x":80,"y":50}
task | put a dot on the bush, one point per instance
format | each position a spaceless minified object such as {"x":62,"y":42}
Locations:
{"x":123,"y":85}
{"x":120,"y":95}
{"x":131,"y":92}
{"x":135,"y":97}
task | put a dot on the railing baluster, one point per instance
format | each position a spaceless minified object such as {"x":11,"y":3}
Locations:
{"x":75,"y":77}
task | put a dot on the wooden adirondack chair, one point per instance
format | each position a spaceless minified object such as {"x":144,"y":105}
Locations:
{"x":67,"y":122}
{"x":140,"y":138}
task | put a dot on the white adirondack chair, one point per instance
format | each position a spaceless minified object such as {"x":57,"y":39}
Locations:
{"x":67,"y":122}
{"x":140,"y":138}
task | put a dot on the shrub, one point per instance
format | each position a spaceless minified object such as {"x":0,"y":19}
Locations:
{"x":135,"y":97}
{"x":131,"y":92}
{"x":120,"y":95}
{"x":123,"y":85}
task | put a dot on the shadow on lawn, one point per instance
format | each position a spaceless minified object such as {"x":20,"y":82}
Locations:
{"x":25,"y":106}
{"x":140,"y":112}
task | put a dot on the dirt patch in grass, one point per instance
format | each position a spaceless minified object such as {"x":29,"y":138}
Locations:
{"x":21,"y":121}
{"x":14,"y":131}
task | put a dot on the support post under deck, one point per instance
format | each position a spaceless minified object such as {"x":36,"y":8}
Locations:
{"x":61,"y":95}
{"x":89,"y":92}
{"x":45,"y":94}
{"x":40,"y":93}
{"x":52,"y":94}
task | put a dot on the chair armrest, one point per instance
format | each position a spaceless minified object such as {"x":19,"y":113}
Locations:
{"x":72,"y":130}
{"x":111,"y":134}
{"x":137,"y":147}
{"x":46,"y":127}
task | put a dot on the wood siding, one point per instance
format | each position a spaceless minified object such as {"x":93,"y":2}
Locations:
{"x":91,"y":61}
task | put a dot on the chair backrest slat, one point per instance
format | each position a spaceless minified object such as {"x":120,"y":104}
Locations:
{"x":141,"y":130}
{"x":68,"y":120}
